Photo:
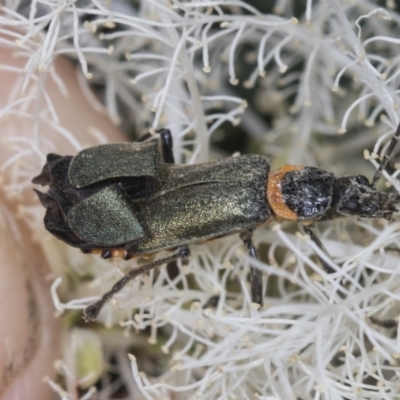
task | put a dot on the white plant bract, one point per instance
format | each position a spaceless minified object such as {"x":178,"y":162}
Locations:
{"x":327,"y":76}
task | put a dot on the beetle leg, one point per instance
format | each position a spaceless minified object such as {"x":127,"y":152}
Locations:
{"x":85,"y":250}
{"x":386,"y":157}
{"x":106,"y":254}
{"x":255,"y":273}
{"x":384,"y":323}
{"x":212,"y":302}
{"x":308,"y":230}
{"x":91,"y":313}
{"x":166,"y":144}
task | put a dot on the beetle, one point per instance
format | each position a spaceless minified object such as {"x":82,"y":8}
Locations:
{"x":130,"y":199}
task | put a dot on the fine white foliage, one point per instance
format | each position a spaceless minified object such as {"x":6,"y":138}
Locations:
{"x":327,"y":76}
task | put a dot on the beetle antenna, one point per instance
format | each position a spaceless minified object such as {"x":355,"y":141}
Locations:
{"x":91,"y":313}
{"x":309,"y":231}
{"x":386,"y":157}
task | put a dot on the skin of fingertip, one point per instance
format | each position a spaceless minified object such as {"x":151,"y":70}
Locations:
{"x":30,"y":335}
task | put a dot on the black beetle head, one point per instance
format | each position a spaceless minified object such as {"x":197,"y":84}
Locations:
{"x":354,"y":195}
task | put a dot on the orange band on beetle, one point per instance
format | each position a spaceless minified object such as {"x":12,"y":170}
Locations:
{"x":274,"y":193}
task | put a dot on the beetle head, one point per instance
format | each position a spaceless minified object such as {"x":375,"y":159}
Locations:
{"x":354,"y":195}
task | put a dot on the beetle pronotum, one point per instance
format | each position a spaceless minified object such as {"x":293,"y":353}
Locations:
{"x":130,"y":199}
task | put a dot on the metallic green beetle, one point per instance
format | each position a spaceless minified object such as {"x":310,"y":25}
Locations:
{"x":129,"y":199}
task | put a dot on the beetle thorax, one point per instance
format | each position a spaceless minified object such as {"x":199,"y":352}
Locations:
{"x":297,"y":193}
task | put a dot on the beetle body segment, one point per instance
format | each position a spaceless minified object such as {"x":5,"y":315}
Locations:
{"x":106,"y":218}
{"x":298,"y":193}
{"x":275,"y":195}
{"x":353,"y":195}
{"x":114,"y":160}
{"x":309,"y":194}
{"x":177,"y":206}
{"x":198,"y":202}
